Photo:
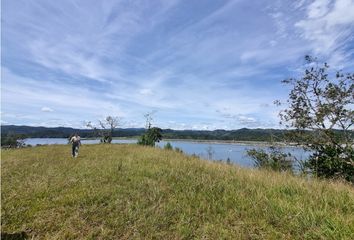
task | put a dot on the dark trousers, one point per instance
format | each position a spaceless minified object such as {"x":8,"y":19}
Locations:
{"x":74,"y":148}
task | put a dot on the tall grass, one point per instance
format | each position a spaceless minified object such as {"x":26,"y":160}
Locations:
{"x":136,"y":192}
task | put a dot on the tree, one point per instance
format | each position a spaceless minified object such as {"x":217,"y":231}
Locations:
{"x":275,"y":159}
{"x":320,"y":110}
{"x":168,"y":146}
{"x":11,"y":140}
{"x":106,"y":128}
{"x":152,"y":134}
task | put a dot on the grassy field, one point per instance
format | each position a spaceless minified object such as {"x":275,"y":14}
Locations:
{"x":135,"y":192}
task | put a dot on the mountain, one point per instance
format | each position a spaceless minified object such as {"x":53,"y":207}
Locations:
{"x":243,"y":134}
{"x":62,"y":132}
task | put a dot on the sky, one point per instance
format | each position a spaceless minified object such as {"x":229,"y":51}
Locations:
{"x":193,"y":64}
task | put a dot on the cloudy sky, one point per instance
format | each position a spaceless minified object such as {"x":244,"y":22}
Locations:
{"x":197,"y":64}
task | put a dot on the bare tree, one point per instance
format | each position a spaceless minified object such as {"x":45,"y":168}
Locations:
{"x":106,"y":128}
{"x":149,"y":118}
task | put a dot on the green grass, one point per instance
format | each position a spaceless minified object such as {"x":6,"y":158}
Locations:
{"x":135,"y":192}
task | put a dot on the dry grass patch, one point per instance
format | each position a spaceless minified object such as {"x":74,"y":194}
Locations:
{"x":135,"y":192}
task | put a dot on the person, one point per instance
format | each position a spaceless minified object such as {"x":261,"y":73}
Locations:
{"x":76,"y":142}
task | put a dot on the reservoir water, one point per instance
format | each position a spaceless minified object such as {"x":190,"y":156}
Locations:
{"x":217,"y":151}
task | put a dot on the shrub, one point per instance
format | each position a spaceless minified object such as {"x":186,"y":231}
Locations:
{"x":275,"y":159}
{"x":177,"y":149}
{"x":150,"y":137}
{"x":168,"y":146}
{"x":12,"y":140}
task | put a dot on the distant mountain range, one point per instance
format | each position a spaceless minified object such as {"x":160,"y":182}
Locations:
{"x":243,"y":134}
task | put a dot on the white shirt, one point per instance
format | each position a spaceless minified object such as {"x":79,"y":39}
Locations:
{"x":75,"y":139}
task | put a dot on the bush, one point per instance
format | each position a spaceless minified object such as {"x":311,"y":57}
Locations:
{"x":177,"y":149}
{"x":330,"y":162}
{"x":168,"y":146}
{"x":275,"y":159}
{"x":12,"y":140}
{"x":150,"y":137}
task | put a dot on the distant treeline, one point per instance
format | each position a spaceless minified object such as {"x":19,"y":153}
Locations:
{"x":243,"y":134}
{"x":63,"y":132}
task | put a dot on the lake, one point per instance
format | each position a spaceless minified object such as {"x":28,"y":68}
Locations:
{"x":236,"y":152}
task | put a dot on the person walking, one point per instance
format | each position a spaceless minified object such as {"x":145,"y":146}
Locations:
{"x":76,"y":142}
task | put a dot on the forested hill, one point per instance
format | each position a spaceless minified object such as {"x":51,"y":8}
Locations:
{"x":62,"y":132}
{"x":243,"y":134}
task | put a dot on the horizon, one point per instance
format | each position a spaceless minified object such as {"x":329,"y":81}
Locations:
{"x":117,"y":128}
{"x":214,"y":65}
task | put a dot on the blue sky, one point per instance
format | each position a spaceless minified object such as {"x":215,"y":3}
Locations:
{"x":196,"y":64}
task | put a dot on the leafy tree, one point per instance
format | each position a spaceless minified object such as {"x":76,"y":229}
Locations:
{"x":152,"y":134}
{"x":275,"y":159}
{"x":12,"y":140}
{"x":320,"y":110}
{"x":106,"y":128}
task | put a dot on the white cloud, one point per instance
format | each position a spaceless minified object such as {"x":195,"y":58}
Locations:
{"x":64,"y":57}
{"x":66,"y":99}
{"x":342,"y":13}
{"x":146,"y":91}
{"x":246,"y":120}
{"x":318,"y":8}
{"x":328,"y":26}
{"x":299,"y":4}
{"x":47,"y":109}
{"x":128,"y":58}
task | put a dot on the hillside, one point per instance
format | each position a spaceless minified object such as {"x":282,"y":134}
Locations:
{"x":135,"y":192}
{"x":243,"y":134}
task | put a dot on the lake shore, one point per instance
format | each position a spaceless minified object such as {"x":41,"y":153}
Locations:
{"x":210,"y":141}
{"x":215,"y":141}
{"x":258,"y":143}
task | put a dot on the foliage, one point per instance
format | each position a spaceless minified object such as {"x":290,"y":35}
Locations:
{"x":150,"y":137}
{"x":331,"y":161}
{"x":106,"y":128}
{"x":243,"y":134}
{"x":168,"y":146}
{"x":177,"y":149}
{"x":274,"y":159}
{"x":152,"y":134}
{"x":322,"y":101}
{"x":131,"y":192}
{"x":12,"y":140}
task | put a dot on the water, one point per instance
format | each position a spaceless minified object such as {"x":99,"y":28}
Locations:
{"x":236,"y":152}
{"x":61,"y":141}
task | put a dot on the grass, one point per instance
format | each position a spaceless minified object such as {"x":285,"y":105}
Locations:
{"x":135,"y":192}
